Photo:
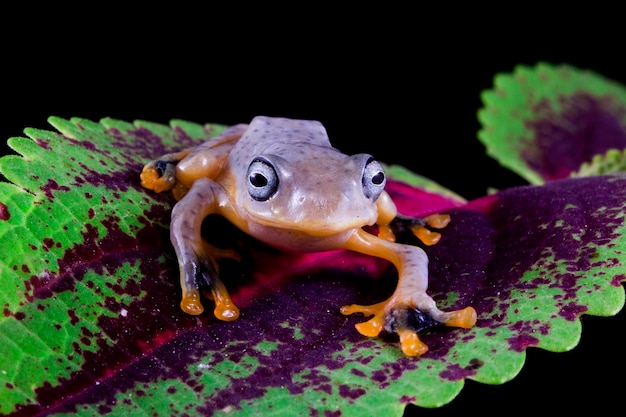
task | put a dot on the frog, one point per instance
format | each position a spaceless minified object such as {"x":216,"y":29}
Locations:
{"x":280,"y":181}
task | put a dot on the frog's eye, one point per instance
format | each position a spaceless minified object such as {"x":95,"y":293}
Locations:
{"x":262,"y":179}
{"x":373,"y":179}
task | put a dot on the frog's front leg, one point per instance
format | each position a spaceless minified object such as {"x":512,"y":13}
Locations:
{"x":177,"y":171}
{"x":409,"y":309}
{"x":196,"y":259}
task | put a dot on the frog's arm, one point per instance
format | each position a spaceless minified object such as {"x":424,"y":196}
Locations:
{"x":404,"y":311}
{"x":196,"y":258}
{"x":177,"y":171}
{"x":390,"y":222}
{"x":207,"y":160}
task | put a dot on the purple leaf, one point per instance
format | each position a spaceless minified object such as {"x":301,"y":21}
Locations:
{"x":545,"y":122}
{"x":92,"y":325}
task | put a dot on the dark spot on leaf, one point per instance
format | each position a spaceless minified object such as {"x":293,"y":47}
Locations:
{"x":348,"y":392}
{"x":44,"y":144}
{"x":406,"y":399}
{"x":455,"y":372}
{"x":117,"y":180}
{"x":521,"y":342}
{"x":51,"y":186}
{"x":73,"y":317}
{"x":572,"y":311}
{"x":5,"y":214}
{"x":618,"y":279}
{"x":475,"y":364}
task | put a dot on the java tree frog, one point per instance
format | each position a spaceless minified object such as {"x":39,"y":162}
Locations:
{"x":280,"y":181}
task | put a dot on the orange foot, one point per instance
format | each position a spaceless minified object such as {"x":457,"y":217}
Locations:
{"x":436,"y":221}
{"x":153,"y":179}
{"x":225,"y":309}
{"x":410,"y":342}
{"x":421,"y":228}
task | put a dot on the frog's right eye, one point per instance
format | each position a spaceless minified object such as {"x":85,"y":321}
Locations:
{"x":262,"y":179}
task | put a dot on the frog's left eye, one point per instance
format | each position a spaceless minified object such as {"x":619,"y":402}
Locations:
{"x":373,"y":179}
{"x":262,"y":179}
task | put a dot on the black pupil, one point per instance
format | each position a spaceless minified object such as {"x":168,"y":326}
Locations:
{"x":258,"y":180}
{"x":378,"y":178}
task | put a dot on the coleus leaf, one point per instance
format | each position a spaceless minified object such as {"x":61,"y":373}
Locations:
{"x":613,"y":161}
{"x":544,"y":122}
{"x":91,"y":322}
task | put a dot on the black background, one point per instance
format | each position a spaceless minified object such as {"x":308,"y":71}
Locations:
{"x":401,"y":84}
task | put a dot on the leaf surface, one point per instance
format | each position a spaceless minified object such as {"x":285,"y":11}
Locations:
{"x":89,"y":288}
{"x":544,"y":122}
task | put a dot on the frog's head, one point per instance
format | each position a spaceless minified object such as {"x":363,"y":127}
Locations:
{"x":311,"y":188}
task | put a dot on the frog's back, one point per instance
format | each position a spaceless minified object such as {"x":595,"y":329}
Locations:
{"x":272,"y":133}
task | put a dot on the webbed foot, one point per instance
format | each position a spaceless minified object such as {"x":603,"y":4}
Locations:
{"x":407,"y":320}
{"x":427,"y":236}
{"x":224,"y":309}
{"x":158,"y":175}
{"x":202,"y":276}
{"x":420,"y":228}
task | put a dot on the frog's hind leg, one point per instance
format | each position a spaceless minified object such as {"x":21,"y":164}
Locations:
{"x":160,"y":174}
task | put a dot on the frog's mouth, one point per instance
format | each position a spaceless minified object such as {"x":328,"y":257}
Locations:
{"x":313,"y":225}
{"x":296,"y":237}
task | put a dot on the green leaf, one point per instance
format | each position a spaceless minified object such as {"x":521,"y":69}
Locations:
{"x":612,"y":162}
{"x":89,"y":288}
{"x":544,"y":122}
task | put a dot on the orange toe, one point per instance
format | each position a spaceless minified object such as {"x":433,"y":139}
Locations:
{"x":191,"y":304}
{"x":465,"y":318}
{"x":411,"y":344}
{"x":428,"y":237}
{"x":438,"y":221}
